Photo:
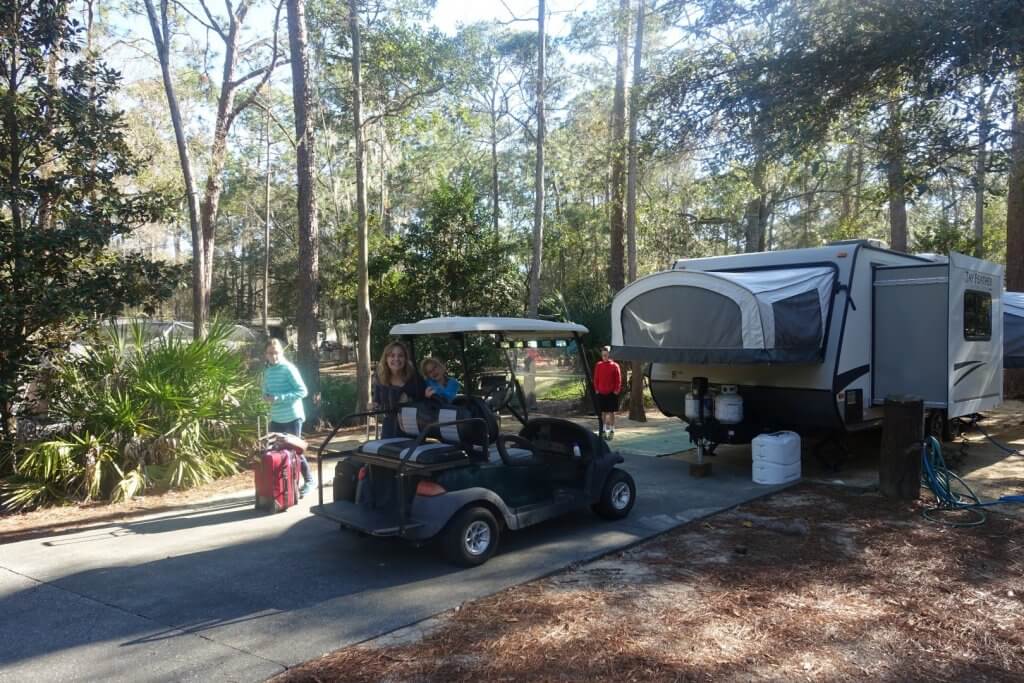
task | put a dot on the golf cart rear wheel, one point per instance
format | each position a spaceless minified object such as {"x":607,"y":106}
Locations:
{"x":471,"y":537}
{"x":618,"y":495}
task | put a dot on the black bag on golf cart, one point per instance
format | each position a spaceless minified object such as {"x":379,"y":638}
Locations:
{"x":346,"y":479}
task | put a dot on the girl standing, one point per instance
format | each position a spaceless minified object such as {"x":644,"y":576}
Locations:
{"x":284,"y":390}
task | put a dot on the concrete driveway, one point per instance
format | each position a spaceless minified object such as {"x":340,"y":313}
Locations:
{"x":220,"y":592}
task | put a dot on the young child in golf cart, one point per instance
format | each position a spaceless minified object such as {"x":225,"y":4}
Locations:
{"x":395,"y":382}
{"x":439,"y":384}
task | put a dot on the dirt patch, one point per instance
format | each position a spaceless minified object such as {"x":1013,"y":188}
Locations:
{"x":817,"y":583}
{"x":57,"y":519}
{"x":46,"y":521}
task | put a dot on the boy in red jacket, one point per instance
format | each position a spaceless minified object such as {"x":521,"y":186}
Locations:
{"x":607,"y":385}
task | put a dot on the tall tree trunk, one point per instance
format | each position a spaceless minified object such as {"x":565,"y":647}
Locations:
{"x":160,"y":26}
{"x":538,"y":180}
{"x":846,"y":198}
{"x":980,"y":167}
{"x":858,"y":181}
{"x":219,"y":147}
{"x":1015,"y":196}
{"x":266,"y":229}
{"x":385,"y":201}
{"x":616,"y":274}
{"x":307,"y":280}
{"x":339,"y":221}
{"x":46,"y":168}
{"x":636,"y":397}
{"x":494,"y":170}
{"x":362,"y":224}
{"x":757,"y":209}
{"x":896,"y":179}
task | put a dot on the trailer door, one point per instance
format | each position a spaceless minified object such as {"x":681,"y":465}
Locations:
{"x":975,"y":373}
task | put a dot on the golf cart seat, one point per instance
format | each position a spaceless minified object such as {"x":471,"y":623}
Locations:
{"x":411,"y":419}
{"x":477,"y":407}
{"x":469,"y":437}
{"x":556,"y":437}
{"x":414,"y":419}
{"x":432,"y":433}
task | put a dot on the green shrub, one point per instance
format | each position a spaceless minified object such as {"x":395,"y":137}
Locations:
{"x":337,"y":398}
{"x":142,"y":415}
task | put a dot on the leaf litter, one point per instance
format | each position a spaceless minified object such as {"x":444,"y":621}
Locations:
{"x":830,"y":585}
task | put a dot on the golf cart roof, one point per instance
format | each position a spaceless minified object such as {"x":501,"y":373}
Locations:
{"x":510,"y":328}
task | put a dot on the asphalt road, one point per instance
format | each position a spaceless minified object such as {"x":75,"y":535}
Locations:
{"x":221,"y":592}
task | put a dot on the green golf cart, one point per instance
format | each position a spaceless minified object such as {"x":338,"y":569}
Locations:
{"x":454,"y":475}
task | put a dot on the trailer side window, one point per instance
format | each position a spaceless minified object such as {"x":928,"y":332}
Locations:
{"x":977,"y":316}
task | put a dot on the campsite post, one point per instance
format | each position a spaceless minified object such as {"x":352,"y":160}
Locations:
{"x":899,"y":469}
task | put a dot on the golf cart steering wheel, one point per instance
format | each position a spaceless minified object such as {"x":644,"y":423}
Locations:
{"x":498,"y":396}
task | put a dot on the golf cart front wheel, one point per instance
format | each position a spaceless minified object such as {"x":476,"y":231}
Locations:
{"x":471,"y":537}
{"x":618,"y":495}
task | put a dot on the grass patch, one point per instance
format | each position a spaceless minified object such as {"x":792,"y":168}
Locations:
{"x":561,"y":390}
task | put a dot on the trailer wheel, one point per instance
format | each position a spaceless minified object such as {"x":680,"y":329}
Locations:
{"x":471,"y":537}
{"x":617,"y":496}
{"x":938,"y":426}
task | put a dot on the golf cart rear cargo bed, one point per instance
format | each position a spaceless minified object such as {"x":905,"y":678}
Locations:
{"x":365,"y":520}
{"x":406,"y":465}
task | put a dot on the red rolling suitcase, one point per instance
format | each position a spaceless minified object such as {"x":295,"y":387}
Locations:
{"x":277,"y":481}
{"x":276,"y":475}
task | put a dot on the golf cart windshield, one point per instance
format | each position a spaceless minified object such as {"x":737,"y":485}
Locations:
{"x":510,"y":362}
{"x":508,"y":328}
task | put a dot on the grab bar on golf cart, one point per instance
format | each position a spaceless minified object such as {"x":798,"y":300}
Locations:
{"x":420,"y":440}
{"x":320,"y":451}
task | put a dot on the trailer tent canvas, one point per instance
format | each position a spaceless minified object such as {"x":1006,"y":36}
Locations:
{"x":815,"y":339}
{"x":1013,"y":329}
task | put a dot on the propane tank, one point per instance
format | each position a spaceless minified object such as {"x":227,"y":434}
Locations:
{"x":698,"y":398}
{"x":692,"y":407}
{"x":729,"y":405}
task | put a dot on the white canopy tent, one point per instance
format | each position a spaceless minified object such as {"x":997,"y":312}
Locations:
{"x":152,"y":330}
{"x":772,"y":315}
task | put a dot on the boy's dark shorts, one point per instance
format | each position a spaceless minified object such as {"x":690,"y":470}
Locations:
{"x":608,"y":403}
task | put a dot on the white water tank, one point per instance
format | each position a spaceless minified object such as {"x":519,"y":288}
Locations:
{"x":776,"y":458}
{"x":729,"y":405}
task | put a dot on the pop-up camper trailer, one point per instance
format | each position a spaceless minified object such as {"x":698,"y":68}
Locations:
{"x":1013,"y":329}
{"x":813,"y":339}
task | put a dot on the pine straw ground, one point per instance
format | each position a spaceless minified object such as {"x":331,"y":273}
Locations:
{"x":815,"y":583}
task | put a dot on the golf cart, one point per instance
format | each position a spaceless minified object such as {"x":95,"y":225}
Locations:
{"x":452,"y":475}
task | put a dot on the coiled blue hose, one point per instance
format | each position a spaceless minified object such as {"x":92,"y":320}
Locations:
{"x":937,"y":477}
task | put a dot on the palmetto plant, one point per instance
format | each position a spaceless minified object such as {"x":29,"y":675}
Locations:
{"x":145,"y":414}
